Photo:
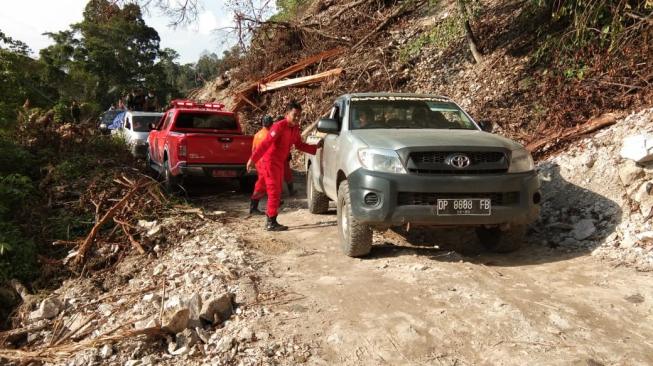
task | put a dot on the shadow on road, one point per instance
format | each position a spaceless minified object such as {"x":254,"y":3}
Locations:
{"x":545,"y":241}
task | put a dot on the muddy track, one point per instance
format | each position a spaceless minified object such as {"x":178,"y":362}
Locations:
{"x":445,"y":302}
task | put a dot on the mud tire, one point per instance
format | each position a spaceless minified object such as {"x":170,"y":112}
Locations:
{"x":355,"y":237}
{"x":318,"y":202}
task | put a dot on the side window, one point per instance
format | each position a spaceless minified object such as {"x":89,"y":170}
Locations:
{"x":167,"y":122}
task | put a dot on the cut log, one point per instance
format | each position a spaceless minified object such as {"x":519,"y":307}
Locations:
{"x":574,"y":132}
{"x":302,"y":81}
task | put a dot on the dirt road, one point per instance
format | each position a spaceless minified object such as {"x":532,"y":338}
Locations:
{"x":432,"y":305}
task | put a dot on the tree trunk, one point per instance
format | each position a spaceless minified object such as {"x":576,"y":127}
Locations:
{"x":469,"y":34}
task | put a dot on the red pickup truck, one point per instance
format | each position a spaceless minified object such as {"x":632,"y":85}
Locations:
{"x":201,"y":140}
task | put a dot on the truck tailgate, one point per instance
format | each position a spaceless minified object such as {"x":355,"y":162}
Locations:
{"x":206,"y":148}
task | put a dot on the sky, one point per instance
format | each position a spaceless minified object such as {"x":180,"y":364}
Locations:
{"x":27,"y":20}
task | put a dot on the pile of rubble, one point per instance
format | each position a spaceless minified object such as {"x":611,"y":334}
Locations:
{"x":598,"y":194}
{"x":197,"y":301}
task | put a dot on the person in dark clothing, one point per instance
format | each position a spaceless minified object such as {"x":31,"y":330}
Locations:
{"x":75,"y":111}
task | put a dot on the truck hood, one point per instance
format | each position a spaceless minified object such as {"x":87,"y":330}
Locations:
{"x":395,"y":139}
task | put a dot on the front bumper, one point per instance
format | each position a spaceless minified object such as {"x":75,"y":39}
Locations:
{"x":393,"y":209}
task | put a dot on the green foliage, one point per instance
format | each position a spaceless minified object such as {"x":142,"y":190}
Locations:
{"x":287,"y":9}
{"x":61,"y":112}
{"x":17,"y":254}
{"x":439,"y":37}
{"x":108,"y":53}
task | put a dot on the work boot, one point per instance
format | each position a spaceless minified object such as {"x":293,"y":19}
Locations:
{"x":273,"y":225}
{"x":253,"y":208}
{"x":291,"y":189}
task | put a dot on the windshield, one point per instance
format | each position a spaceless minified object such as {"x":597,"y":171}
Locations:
{"x":209,"y":121}
{"x":142,"y":123}
{"x":418,"y":113}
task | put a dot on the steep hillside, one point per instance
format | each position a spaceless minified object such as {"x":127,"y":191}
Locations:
{"x":533,"y":79}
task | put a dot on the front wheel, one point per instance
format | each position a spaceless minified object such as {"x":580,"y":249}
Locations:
{"x":318,"y":202}
{"x":502,"y":241}
{"x":355,"y":236}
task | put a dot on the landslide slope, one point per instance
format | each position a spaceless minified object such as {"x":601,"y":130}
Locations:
{"x":532,"y":80}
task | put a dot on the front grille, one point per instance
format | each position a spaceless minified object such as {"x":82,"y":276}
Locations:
{"x":436,"y":162}
{"x":439,"y":157}
{"x":431,"y":199}
{"x":458,"y":172}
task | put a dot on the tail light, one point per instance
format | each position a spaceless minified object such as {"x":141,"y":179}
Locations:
{"x":183,"y":150}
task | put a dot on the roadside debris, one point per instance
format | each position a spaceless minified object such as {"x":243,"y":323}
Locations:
{"x":638,"y":148}
{"x":606,"y":206}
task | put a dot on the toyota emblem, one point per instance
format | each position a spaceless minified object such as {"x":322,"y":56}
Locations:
{"x":459,"y":161}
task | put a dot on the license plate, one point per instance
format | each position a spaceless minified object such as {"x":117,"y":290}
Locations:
{"x":225,"y":173}
{"x":464,"y":207}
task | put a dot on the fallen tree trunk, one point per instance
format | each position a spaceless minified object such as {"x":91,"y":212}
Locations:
{"x":302,"y":81}
{"x":90,"y":238}
{"x":574,"y":132}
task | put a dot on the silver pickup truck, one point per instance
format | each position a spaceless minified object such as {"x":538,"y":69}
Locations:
{"x":395,"y":159}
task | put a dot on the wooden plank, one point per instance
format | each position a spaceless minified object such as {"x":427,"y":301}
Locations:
{"x":305,"y":80}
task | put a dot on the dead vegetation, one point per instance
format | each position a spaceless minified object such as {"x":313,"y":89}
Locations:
{"x":532,"y":80}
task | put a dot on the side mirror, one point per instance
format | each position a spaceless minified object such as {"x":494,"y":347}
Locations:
{"x":328,"y":125}
{"x":152,"y":126}
{"x":486,"y":126}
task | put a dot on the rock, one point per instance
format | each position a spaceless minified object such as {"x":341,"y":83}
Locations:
{"x":105,"y":309}
{"x":638,"y":148}
{"x":152,"y":298}
{"x":217,"y":309}
{"x":175,"y":321}
{"x":203,"y":334}
{"x":159,"y":269}
{"x":645,"y":237}
{"x":188,"y":338}
{"x":583,"y":229}
{"x":225,"y":344}
{"x":644,"y":198}
{"x":133,"y":363}
{"x":194,"y":304}
{"x":245,"y":335}
{"x":106,"y":351}
{"x":629,"y":172}
{"x":49,"y":308}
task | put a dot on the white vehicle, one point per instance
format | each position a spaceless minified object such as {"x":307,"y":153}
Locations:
{"x":135,"y":129}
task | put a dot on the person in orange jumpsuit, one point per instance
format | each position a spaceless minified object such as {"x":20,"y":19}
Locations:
{"x":273,"y":153}
{"x":259,"y":187}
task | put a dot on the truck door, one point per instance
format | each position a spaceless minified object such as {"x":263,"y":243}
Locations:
{"x":329,"y":156}
{"x":158,"y":139}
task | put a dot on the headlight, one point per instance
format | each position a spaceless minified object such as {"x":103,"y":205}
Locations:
{"x":381,"y":160}
{"x":521,"y":161}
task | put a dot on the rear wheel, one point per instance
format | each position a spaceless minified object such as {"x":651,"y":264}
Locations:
{"x":170,"y":182}
{"x":502,"y":241}
{"x":318,"y":202}
{"x":356,"y":237}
